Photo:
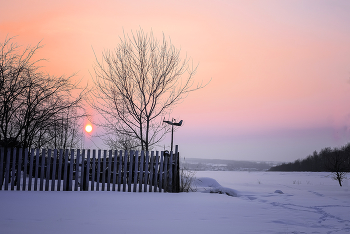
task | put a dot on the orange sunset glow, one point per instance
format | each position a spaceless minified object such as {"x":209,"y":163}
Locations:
{"x":279,"y":70}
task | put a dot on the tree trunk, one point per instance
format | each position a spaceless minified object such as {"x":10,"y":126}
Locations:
{"x":339,"y":178}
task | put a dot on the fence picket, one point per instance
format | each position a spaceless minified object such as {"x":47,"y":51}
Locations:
{"x":25,"y":162}
{"x":151,"y":167}
{"x":114,"y":169}
{"x":36,"y":170}
{"x":104,"y":170}
{"x":176,"y":183}
{"x":77,"y":167}
{"x":87,"y":173}
{"x":53,"y":175}
{"x":19,"y":171}
{"x":131,"y":157}
{"x":120,"y":164}
{"x":70,"y":176}
{"x":136,"y":170}
{"x":47,"y":177}
{"x":146,"y":172}
{"x":42,"y":170}
{"x":7,"y":172}
{"x":109,"y":171}
{"x":156,"y":174}
{"x":170,"y":166}
{"x":166,"y":159}
{"x":161,"y":171}
{"x":13,"y":169}
{"x":30,"y":173}
{"x":125,"y":170}
{"x":82,"y":171}
{"x":2,"y":156}
{"x":93,"y":170}
{"x":59,"y":172}
{"x":141,"y":171}
{"x":65,"y":171}
{"x":98,"y":170}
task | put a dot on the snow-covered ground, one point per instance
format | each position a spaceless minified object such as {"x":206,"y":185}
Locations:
{"x":260,"y":202}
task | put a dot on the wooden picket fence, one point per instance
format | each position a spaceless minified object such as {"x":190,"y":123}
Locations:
{"x":89,"y":170}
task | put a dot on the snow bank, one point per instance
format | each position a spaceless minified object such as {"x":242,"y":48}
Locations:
{"x":209,"y":185}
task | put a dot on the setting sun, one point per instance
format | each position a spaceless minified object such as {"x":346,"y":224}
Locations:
{"x":88,"y":128}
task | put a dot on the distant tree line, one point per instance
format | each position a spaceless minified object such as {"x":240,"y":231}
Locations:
{"x":336,"y":161}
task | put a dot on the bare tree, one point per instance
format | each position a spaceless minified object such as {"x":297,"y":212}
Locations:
{"x":137,"y":84}
{"x":337,"y":162}
{"x":14,"y":69}
{"x":31,"y":101}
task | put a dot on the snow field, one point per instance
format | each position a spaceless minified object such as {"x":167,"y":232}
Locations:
{"x":315,"y":204}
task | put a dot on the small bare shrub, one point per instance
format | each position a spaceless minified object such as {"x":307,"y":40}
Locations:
{"x":187,"y":178}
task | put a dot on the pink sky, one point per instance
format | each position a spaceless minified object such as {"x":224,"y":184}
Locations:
{"x":280,"y":70}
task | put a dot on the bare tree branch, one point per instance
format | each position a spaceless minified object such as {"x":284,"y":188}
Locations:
{"x":137,"y":84}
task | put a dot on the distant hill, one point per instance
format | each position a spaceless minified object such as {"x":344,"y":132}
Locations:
{"x":198,"y":164}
